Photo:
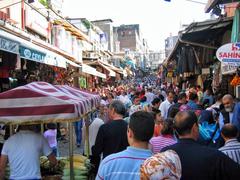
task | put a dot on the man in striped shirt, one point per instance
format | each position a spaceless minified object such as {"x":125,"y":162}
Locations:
{"x":126,"y":164}
{"x":232,"y":146}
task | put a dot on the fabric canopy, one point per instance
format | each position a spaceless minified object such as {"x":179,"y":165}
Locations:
{"x":41,"y":102}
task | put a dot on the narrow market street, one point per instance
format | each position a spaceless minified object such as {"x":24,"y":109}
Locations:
{"x":119,"y":90}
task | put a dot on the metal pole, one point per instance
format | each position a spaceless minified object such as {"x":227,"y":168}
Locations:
{"x":70,"y":126}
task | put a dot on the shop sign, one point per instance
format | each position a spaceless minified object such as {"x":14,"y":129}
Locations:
{"x":228,"y":69}
{"x":36,"y":22}
{"x":205,"y":70}
{"x":31,"y":54}
{"x":229,"y":54}
{"x":55,"y":60}
{"x":48,"y":58}
{"x":9,"y":45}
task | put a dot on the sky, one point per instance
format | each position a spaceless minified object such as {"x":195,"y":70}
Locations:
{"x":157,"y":18}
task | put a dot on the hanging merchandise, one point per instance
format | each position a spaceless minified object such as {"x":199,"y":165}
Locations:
{"x":236,"y":80}
{"x":82,"y":82}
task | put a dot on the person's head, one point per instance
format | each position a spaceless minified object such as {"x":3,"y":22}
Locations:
{"x":228,"y":102}
{"x":206,"y":116}
{"x":186,"y":125}
{"x":173,"y":111}
{"x":157,"y":116}
{"x":219,"y":97}
{"x":167,"y":128}
{"x":229,"y":131}
{"x":164,"y":165}
{"x":199,"y":88}
{"x":182,"y":98}
{"x":170,"y":96}
{"x":149,"y":89}
{"x":116,"y":110}
{"x":144,"y":99}
{"x":156,"y":103}
{"x":140,"y":128}
{"x":136,"y":100}
{"x":52,"y":126}
{"x":193,"y":97}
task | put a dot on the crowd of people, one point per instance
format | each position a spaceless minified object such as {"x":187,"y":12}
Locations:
{"x":144,"y":130}
{"x":150,"y":131}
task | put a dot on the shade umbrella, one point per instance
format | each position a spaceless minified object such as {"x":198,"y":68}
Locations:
{"x":41,"y":102}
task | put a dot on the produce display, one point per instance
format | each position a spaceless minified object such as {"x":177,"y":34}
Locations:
{"x":47,"y":169}
{"x":81,"y":167}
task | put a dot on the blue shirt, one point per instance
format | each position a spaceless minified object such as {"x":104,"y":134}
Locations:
{"x":123,"y":165}
{"x":192,"y":105}
{"x":236,"y":116}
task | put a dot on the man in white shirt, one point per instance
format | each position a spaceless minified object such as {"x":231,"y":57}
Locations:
{"x":165,"y":105}
{"x":22,"y":151}
{"x":149,"y":95}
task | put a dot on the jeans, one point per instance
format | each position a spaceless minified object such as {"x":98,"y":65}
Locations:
{"x":55,"y":151}
{"x":78,"y":131}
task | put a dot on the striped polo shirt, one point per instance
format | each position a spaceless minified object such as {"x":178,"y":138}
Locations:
{"x":232,"y":149}
{"x":160,"y":142}
{"x":123,"y":165}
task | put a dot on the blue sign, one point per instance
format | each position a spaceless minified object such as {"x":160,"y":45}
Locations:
{"x":9,"y":45}
{"x":31,"y":54}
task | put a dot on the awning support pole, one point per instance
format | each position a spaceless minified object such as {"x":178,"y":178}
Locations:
{"x":70,"y":126}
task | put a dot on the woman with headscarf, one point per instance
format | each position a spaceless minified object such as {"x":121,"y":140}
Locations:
{"x":161,"y":166}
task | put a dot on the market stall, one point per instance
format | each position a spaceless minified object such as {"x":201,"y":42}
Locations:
{"x":41,"y":102}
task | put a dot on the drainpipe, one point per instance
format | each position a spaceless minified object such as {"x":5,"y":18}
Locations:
{"x":23,"y":14}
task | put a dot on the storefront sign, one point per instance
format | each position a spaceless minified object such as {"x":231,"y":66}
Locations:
{"x":31,"y":54}
{"x":36,"y":22}
{"x":229,"y":54}
{"x":9,"y":45}
{"x":205,"y":70}
{"x":48,"y":58}
{"x":228,"y":69}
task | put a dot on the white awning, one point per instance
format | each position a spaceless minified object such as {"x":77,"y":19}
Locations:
{"x":90,"y":70}
{"x":72,"y":63}
{"x":111,"y":72}
{"x":33,"y":52}
{"x":99,"y":74}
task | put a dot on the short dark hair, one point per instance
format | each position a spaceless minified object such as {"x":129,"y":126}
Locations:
{"x":173,"y":111}
{"x":182,"y":95}
{"x":229,"y":131}
{"x":170,"y":92}
{"x":155,"y":112}
{"x":167,"y":127}
{"x":193,"y":96}
{"x":142,"y":125}
{"x":144,"y":99}
{"x":155,"y":101}
{"x":184,"y":121}
{"x":51,"y":126}
{"x":118,"y":107}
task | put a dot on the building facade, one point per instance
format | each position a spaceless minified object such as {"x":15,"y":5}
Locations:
{"x":169,"y":44}
{"x":106,"y":26}
{"x":155,"y":59}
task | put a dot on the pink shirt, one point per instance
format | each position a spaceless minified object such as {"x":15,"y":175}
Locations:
{"x":160,"y":142}
{"x":51,"y":136}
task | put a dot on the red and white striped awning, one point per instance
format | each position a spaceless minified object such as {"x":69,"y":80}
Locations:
{"x":41,"y":102}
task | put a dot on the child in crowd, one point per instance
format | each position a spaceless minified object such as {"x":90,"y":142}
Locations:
{"x":51,"y":135}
